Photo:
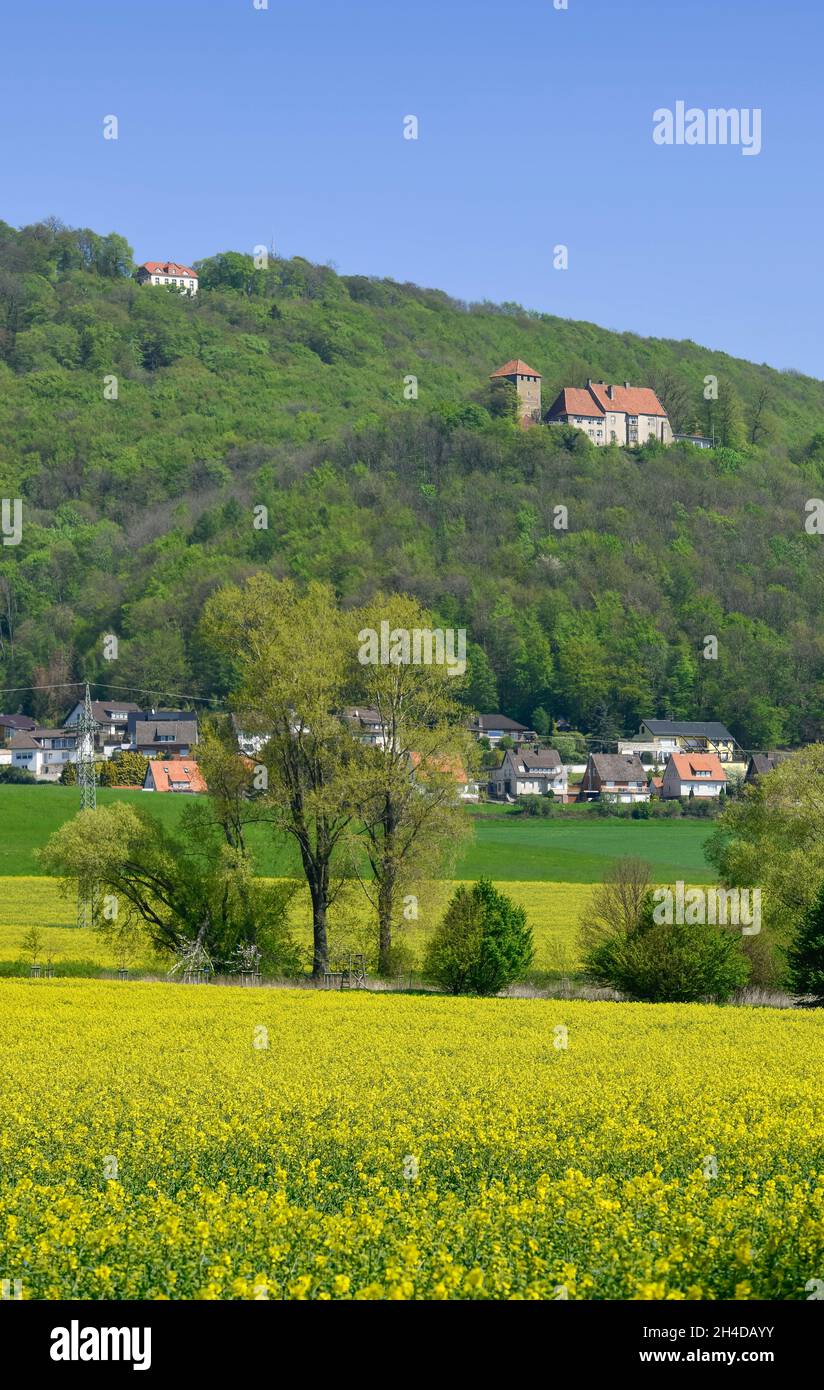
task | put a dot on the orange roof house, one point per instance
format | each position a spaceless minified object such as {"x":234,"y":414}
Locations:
{"x":698,"y":773}
{"x":170,"y":273}
{"x":612,"y":414}
{"x":174,"y":775}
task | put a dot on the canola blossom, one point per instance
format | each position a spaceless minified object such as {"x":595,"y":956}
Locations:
{"x":182,"y":1142}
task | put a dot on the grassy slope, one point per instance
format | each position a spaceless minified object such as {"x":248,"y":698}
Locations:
{"x":568,"y":852}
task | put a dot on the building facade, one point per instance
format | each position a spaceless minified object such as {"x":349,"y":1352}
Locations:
{"x":179,"y":277}
{"x":624,"y":415}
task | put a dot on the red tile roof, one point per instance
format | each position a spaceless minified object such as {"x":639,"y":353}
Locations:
{"x":688,"y":765}
{"x":167,"y":268}
{"x":632,"y":400}
{"x":515,"y":368}
{"x":182,"y":770}
{"x":575,"y":401}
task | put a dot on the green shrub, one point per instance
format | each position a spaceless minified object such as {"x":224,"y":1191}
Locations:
{"x":482,"y":945}
{"x":673,"y":962}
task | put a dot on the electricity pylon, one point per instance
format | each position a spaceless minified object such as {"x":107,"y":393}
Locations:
{"x":87,"y":727}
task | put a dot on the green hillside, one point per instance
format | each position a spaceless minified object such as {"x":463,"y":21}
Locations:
{"x":284,"y":387}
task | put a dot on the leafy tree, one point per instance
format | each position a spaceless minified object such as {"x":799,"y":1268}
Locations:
{"x":187,"y":887}
{"x":294,"y":657}
{"x":405,"y":790}
{"x":482,"y":945}
{"x":806,"y":952}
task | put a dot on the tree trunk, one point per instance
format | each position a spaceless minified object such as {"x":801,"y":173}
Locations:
{"x":320,"y":944}
{"x":386,"y":903}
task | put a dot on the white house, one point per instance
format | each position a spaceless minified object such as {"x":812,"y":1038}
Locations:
{"x":44,"y":752}
{"x":699,"y":774}
{"x":112,"y":719}
{"x":180,"y":277}
{"x":525,"y":773}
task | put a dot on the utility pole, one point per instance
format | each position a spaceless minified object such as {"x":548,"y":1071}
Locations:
{"x":86,"y":730}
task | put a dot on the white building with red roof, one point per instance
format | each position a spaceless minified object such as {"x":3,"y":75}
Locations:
{"x":609,"y":414}
{"x":179,"y":277}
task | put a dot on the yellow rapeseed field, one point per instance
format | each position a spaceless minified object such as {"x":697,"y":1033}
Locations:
{"x":173,"y":1141}
{"x":552,"y":910}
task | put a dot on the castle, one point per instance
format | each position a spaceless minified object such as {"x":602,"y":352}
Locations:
{"x":607,"y":414}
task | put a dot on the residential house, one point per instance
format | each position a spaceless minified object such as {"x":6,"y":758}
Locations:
{"x":467,"y":790}
{"x":366,"y":725}
{"x":524,"y":772}
{"x":112,"y":719}
{"x":494,"y":727}
{"x":174,"y":775}
{"x":250,"y":744}
{"x":762,"y":763}
{"x":614,"y":777}
{"x":180,"y":277}
{"x":43,"y":752}
{"x":527,"y":383}
{"x":693,"y":774}
{"x":11,"y":724}
{"x":607,"y":414}
{"x":658,"y":738}
{"x":171,"y":733}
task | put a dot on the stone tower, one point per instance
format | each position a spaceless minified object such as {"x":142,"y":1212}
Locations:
{"x":527,"y":383}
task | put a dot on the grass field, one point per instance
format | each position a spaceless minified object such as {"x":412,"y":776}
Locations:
{"x":504,"y":848}
{"x":552,"y":910}
{"x":164,"y":1141}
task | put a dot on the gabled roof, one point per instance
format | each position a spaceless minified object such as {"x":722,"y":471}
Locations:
{"x":17,"y":721}
{"x":181,"y":730}
{"x":515,"y":368}
{"x":167,"y":268}
{"x":499,"y":721}
{"x":24,"y":740}
{"x":576,"y":401}
{"x":163,"y":774}
{"x":548,"y":760}
{"x":631,"y":400}
{"x":618,"y":767}
{"x":710,"y":728}
{"x":691,"y":766}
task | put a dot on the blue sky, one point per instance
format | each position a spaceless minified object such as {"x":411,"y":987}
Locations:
{"x":238,"y":126}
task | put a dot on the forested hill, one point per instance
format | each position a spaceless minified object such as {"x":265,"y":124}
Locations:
{"x":285,"y":386}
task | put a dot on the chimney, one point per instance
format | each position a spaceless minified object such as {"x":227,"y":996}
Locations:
{"x":626,"y":385}
{"x":589,"y":381}
{"x":610,"y":390}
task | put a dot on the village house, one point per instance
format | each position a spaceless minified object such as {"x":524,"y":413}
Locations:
{"x":366,"y":725}
{"x":494,"y":727}
{"x":11,"y":724}
{"x":112,"y":719}
{"x":174,"y":775}
{"x":693,"y":774}
{"x":169,"y":733}
{"x":527,"y":383}
{"x":623,"y":415}
{"x":760,"y":764}
{"x":658,"y":738}
{"x":43,"y":752}
{"x":524,"y":772}
{"x":180,"y":277}
{"x":614,"y":777}
{"x":466,"y":789}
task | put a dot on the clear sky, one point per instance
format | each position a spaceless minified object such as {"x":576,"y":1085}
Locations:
{"x":238,"y":126}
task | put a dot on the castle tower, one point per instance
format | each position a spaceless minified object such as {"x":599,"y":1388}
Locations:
{"x":527,"y":383}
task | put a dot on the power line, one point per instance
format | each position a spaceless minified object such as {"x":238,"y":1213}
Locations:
{"x":98,"y":685}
